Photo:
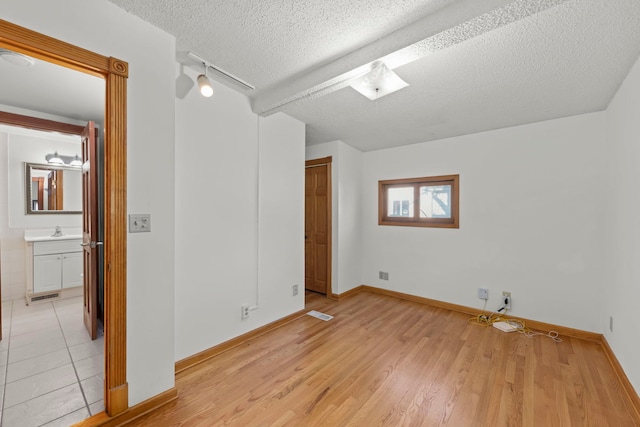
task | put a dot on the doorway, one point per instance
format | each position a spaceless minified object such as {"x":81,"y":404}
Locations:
{"x":54,"y":368}
{"x":115,"y":73}
{"x":317,"y":234}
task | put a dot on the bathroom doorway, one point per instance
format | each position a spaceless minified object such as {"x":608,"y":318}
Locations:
{"x":115,"y":73}
{"x":54,"y":369}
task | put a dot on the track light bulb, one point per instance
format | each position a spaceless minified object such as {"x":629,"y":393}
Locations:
{"x":205,"y":86}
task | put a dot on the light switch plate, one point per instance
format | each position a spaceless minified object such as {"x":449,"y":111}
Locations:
{"x":139,"y":223}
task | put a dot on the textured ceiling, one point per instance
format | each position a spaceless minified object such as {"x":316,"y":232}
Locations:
{"x":553,"y":64}
{"x":270,"y":42}
{"x":471,"y":65}
{"x":52,"y":89}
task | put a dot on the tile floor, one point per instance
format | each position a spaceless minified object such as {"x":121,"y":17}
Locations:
{"x":51,"y":373}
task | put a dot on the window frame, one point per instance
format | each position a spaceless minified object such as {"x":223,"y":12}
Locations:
{"x":416,"y":183}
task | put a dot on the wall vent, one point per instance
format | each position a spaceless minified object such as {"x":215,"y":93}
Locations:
{"x":45,"y":297}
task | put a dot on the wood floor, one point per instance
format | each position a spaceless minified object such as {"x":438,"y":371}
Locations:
{"x":386,"y":362}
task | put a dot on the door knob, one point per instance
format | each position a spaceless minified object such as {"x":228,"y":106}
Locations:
{"x":92,"y":244}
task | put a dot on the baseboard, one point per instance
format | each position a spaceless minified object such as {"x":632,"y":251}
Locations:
{"x":624,"y":380}
{"x":207,"y":354}
{"x":132,"y":413}
{"x":533,"y":324}
{"x":347,"y":294}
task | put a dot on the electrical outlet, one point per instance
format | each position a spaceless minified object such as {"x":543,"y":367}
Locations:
{"x":295,"y":290}
{"x":245,"y":311}
{"x":383,"y":275}
{"x":483,"y":293}
{"x":506,"y":300}
{"x":611,"y":323}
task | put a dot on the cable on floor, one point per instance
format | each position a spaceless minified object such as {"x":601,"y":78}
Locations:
{"x":488,"y":320}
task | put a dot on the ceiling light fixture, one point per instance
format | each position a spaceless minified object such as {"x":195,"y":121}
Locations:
{"x":204,"y":84}
{"x":378,"y":82}
{"x":17,"y":58}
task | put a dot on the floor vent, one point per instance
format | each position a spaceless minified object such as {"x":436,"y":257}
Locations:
{"x":319,"y":315}
{"x":45,"y":297}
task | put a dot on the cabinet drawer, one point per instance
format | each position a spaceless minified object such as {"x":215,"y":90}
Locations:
{"x":62,"y":246}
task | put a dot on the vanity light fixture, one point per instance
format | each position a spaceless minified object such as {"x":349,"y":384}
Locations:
{"x":62,"y":160}
{"x":55,"y":159}
{"x":204,"y":84}
{"x":77,"y":161}
{"x":378,"y":82}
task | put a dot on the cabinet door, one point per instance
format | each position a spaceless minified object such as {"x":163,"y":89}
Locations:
{"x":47,"y":272}
{"x":71,"y":270}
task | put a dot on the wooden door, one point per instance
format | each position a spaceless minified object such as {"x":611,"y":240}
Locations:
{"x":90,"y":228}
{"x":56,"y":188}
{"x":40,"y":184}
{"x":318,"y":226}
{"x":51,"y":194}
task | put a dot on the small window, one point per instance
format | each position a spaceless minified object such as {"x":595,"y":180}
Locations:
{"x":419,"y":202}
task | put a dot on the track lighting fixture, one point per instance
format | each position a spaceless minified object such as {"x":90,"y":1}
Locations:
{"x":204,"y":84}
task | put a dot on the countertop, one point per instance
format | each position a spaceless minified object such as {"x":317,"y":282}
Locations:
{"x":45,"y":235}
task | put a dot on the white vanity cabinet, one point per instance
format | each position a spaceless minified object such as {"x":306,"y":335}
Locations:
{"x":72,"y":274}
{"x":47,"y":273}
{"x":53,"y":266}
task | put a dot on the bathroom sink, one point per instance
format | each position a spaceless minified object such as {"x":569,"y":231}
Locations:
{"x":44,"y":235}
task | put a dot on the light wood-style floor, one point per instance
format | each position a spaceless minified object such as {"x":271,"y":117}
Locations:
{"x":387,"y":362}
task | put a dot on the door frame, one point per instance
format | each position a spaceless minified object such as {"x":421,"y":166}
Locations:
{"x":115,"y":73}
{"x":326,"y":161}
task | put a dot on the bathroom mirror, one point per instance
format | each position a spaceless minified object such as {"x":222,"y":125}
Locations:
{"x":52,"y":189}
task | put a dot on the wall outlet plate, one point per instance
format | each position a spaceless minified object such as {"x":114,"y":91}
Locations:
{"x":244,"y":310}
{"x":506,"y":299}
{"x":483,"y":293}
{"x":295,"y":290}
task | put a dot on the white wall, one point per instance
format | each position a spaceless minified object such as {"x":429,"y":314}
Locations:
{"x":32,"y":147}
{"x":281,"y":218}
{"x":621,"y":283}
{"x":346,"y":203}
{"x":100,"y":26}
{"x":531,"y":214}
{"x":219,"y":208}
{"x":18,"y":146}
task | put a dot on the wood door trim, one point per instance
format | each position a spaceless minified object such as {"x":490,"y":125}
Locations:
{"x":115,"y":72}
{"x":36,"y":123}
{"x":132,"y":413}
{"x":40,"y":182}
{"x":320,"y":162}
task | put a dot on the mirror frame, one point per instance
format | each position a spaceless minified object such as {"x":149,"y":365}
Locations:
{"x":28,"y":189}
